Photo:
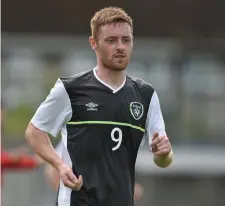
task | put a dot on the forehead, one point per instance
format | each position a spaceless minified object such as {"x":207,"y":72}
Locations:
{"x":115,"y":30}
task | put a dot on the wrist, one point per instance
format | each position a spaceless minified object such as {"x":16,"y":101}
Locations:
{"x":58,"y":164}
{"x":163,"y":161}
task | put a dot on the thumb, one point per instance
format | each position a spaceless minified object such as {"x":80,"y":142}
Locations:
{"x":156,"y":134}
{"x":72,"y":177}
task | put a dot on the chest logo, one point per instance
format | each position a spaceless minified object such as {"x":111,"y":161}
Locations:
{"x":91,"y":106}
{"x":137,"y":110}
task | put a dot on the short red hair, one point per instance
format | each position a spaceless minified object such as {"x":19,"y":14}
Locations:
{"x":109,"y":15}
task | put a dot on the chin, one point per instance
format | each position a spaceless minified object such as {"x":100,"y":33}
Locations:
{"x":116,"y":66}
{"x":119,"y":67}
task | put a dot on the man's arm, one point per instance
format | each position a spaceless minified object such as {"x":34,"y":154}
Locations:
{"x":158,"y":140}
{"x":40,"y":143}
{"x":51,"y":174}
{"x":165,"y":157}
{"x":50,"y":117}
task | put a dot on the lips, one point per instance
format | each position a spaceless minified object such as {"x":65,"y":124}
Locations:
{"x":120,"y":56}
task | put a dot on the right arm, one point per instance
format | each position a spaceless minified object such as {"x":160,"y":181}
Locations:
{"x":51,"y":174}
{"x":50,"y":117}
{"x":39,"y":141}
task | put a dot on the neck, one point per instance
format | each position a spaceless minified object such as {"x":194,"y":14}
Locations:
{"x":111,"y":77}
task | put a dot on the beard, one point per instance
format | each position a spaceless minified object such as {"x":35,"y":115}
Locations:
{"x":118,"y":65}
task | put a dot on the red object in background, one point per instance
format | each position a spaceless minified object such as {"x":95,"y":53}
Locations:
{"x":9,"y":161}
{"x":16,"y":162}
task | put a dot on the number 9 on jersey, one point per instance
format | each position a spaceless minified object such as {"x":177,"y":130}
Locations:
{"x":118,"y":140}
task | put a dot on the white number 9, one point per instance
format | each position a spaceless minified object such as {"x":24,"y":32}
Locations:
{"x":119,"y":139}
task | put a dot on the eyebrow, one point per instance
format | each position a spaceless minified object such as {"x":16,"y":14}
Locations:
{"x":117,"y":37}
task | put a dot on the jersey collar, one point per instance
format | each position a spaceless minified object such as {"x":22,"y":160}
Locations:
{"x":107,"y":85}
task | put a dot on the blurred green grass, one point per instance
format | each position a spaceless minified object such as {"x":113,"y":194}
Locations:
{"x":16,"y":121}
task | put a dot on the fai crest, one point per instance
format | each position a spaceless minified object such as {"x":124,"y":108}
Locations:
{"x":136,"y":109}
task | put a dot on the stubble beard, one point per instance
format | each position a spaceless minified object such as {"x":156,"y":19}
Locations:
{"x":114,"y":67}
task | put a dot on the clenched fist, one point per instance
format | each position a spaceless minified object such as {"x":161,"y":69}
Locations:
{"x":69,"y":179}
{"x":162,"y":150}
{"x":160,"y":144}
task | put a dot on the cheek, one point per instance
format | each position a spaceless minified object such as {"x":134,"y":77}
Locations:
{"x":107,"y":51}
{"x":130,"y":50}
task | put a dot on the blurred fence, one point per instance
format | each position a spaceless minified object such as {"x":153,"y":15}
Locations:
{"x":189,"y":76}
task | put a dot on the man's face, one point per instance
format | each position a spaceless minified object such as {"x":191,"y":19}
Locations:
{"x":114,"y":45}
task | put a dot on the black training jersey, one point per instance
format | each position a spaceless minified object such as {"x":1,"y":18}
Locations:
{"x":101,"y":131}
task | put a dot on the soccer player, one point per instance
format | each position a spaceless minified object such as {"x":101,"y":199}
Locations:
{"x":53,"y":178}
{"x":103,"y":115}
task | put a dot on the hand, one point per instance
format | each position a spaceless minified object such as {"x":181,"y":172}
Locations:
{"x":160,"y":144}
{"x":69,"y":179}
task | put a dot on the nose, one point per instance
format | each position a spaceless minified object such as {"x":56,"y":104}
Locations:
{"x":120,"y":45}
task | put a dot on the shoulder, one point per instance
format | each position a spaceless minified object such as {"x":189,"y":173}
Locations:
{"x":141,"y":85}
{"x":57,"y":91}
{"x":76,"y":79}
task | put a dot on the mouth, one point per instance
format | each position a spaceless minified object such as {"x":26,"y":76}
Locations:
{"x":120,"y":56}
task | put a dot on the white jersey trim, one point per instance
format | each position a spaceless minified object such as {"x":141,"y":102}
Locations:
{"x":107,"y":85}
{"x":154,"y":122}
{"x":54,"y":112}
{"x":64,"y":195}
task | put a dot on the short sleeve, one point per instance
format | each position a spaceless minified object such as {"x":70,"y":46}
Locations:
{"x":54,"y":112}
{"x":154,"y":122}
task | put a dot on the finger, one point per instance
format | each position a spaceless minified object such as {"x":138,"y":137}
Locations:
{"x":162,"y":147}
{"x":80,"y":181}
{"x":156,"y":134}
{"x":79,"y":184}
{"x":162,"y":152}
{"x":68,"y":183}
{"x":153,"y":149}
{"x":156,"y":140}
{"x":72,"y":177}
{"x":164,"y":143}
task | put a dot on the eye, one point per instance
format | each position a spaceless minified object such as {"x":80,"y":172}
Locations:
{"x":126,"y":40}
{"x":110,"y":41}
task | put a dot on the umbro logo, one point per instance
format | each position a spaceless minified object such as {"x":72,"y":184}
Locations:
{"x":91,"y":106}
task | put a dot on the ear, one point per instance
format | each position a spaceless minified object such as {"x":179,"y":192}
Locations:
{"x":93,"y":43}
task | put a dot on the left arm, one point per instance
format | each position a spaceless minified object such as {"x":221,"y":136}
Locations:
{"x":158,"y":140}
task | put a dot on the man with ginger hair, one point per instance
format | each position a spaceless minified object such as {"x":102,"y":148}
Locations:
{"x":103,"y":115}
